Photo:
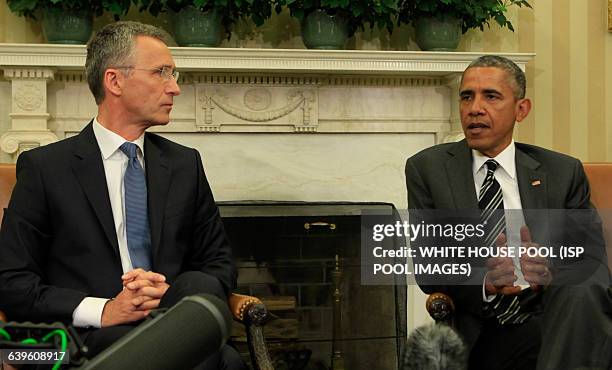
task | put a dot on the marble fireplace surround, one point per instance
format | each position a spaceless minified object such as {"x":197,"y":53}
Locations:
{"x":291,"y":125}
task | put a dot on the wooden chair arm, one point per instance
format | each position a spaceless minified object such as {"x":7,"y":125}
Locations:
{"x":239,"y":305}
{"x":254,"y":315}
{"x":440,"y":307}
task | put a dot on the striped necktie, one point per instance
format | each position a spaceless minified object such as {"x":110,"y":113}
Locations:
{"x":491,"y":202}
{"x":505,"y":308}
{"x":137,"y":218}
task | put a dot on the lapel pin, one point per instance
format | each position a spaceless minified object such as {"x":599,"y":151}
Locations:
{"x":536,"y":183}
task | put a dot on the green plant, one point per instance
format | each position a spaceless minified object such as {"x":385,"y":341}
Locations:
{"x":28,"y":8}
{"x":471,"y":13}
{"x":359,"y":13}
{"x":232,"y":10}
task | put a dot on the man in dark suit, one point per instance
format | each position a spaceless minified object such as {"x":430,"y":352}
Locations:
{"x":557,"y":326}
{"x":105,"y":226}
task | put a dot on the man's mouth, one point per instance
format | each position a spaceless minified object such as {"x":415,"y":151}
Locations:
{"x":476,"y":128}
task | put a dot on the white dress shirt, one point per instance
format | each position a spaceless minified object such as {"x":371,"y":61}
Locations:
{"x":89,"y":311}
{"x":506,"y":176}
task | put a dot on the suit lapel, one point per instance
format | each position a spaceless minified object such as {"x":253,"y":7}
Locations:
{"x":158,"y":182}
{"x":532,"y":182}
{"x":533,"y":185}
{"x":459,"y":172}
{"x":89,"y":171}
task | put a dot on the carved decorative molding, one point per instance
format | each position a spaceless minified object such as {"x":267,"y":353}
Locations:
{"x":71,"y":76}
{"x":29,"y":97}
{"x":13,"y":142}
{"x":29,"y":114}
{"x":275,"y":61}
{"x":249,"y":79}
{"x":340,"y":80}
{"x":256,"y":106}
{"x":257,"y":99}
{"x":28,"y":73}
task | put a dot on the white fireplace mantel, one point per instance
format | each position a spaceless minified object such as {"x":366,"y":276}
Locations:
{"x":397,"y":63}
{"x":250,"y":90}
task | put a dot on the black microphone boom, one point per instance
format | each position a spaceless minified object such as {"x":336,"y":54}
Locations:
{"x":180,"y":338}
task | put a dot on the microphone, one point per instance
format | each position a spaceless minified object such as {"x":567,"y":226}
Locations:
{"x":180,"y":338}
{"x":435,"y":347}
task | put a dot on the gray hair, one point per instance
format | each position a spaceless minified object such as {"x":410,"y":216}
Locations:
{"x":114,"y":45}
{"x":516,"y":77}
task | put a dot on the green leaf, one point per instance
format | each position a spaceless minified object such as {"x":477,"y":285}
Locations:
{"x":500,"y":19}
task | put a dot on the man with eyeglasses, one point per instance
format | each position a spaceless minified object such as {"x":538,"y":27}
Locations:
{"x":110,"y":224}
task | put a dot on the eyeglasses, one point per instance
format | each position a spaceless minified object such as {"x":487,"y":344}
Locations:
{"x":165,"y":72}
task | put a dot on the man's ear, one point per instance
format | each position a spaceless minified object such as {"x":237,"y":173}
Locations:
{"x":523,"y":107}
{"x":113,"y":81}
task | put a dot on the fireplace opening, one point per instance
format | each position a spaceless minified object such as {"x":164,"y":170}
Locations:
{"x":303,"y":260}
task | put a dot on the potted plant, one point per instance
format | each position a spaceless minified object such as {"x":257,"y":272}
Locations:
{"x":67,"y":21}
{"x":205,"y":22}
{"x":327,"y":24}
{"x":439,"y":23}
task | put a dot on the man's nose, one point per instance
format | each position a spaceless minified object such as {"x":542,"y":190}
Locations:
{"x":476,"y":107}
{"x":172,"y":87}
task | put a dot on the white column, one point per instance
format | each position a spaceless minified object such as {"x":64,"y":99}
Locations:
{"x":29,"y":114}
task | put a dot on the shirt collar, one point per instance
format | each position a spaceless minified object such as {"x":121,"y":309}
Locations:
{"x":109,"y":142}
{"x":505,"y":159}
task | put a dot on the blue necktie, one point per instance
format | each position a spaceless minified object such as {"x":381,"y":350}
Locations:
{"x":137,"y":219}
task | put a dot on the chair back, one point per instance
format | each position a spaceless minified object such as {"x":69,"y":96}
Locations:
{"x":600,"y":180}
{"x":7,"y":182}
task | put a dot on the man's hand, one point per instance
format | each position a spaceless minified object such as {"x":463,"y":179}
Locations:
{"x":140,"y":274}
{"x":500,"y":276}
{"x":535,"y":269}
{"x":121,"y":310}
{"x":148,"y":287}
{"x":142,"y":291}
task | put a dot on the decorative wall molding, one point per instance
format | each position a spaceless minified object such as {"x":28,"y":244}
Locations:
{"x":337,"y":80}
{"x":29,"y":97}
{"x":256,"y":106}
{"x":249,"y":79}
{"x":28,"y":73}
{"x":276,"y":61}
{"x":15,"y":142}
{"x":29,"y":115}
{"x":70,"y":76}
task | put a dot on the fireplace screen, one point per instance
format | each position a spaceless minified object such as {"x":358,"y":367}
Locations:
{"x":303,"y":260}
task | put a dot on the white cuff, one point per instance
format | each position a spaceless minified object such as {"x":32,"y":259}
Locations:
{"x":89,"y":312}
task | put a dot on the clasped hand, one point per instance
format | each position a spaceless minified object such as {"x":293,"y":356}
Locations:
{"x":141,"y":293}
{"x":500,"y":275}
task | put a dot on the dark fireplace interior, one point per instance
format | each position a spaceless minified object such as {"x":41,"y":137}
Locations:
{"x":303,"y":260}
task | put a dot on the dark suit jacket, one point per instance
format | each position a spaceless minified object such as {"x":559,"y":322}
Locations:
{"x":58,"y":243}
{"x":441,"y":177}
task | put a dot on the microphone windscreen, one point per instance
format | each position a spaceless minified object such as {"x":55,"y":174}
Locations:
{"x":180,"y":338}
{"x":435,"y":347}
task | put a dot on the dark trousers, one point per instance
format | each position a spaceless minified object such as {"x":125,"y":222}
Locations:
{"x":507,"y":347}
{"x":573,"y":331}
{"x":188,"y":283}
